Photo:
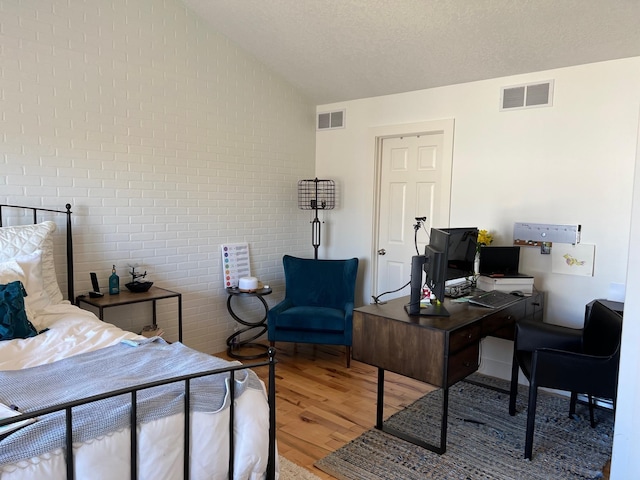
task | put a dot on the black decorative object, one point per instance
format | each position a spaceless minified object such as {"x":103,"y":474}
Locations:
{"x":136,"y":286}
{"x":316,"y":195}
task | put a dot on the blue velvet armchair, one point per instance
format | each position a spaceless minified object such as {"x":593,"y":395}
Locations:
{"x":318,"y":303}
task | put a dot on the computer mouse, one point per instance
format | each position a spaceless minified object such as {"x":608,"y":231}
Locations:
{"x":517,"y":293}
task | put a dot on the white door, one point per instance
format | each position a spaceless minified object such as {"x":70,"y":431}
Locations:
{"x":415,"y":181}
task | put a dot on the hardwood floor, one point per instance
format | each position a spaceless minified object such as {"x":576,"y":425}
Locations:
{"x":322,"y":404}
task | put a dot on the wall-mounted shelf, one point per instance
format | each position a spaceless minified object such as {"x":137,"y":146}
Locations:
{"x":537,"y":234}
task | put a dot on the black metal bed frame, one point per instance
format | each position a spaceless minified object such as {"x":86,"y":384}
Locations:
{"x":133,"y":391}
{"x":34,"y":211}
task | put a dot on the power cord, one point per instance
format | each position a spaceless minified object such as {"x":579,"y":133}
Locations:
{"x":416,"y":227}
{"x":376,"y":298}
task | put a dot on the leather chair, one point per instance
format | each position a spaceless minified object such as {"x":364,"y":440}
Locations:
{"x":580,"y":361}
{"x":318,"y":304}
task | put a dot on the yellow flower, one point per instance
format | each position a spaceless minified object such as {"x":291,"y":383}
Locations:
{"x":485,"y":237}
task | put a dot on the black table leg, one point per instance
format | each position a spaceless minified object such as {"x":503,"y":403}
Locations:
{"x":439,"y":449}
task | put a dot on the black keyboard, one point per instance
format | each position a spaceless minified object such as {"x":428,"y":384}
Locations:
{"x":493,"y":299}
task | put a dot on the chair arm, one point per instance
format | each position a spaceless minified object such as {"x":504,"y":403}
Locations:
{"x":531,"y":335}
{"x":575,"y":372}
{"x":280,"y":307}
{"x":348,"y":310}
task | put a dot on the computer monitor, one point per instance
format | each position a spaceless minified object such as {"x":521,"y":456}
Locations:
{"x":415,"y":292}
{"x":500,"y":261}
{"x":438,"y":253}
{"x":434,"y":263}
{"x":463,"y":244}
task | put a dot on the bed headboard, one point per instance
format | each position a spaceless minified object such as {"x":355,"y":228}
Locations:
{"x":34,"y":211}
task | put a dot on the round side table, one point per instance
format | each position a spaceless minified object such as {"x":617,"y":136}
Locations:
{"x":234,"y":342}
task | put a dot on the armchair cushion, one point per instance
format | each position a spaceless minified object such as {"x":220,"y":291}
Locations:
{"x":321,"y":319}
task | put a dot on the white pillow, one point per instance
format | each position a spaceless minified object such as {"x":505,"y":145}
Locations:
{"x":23,"y":240}
{"x":31,"y":265}
{"x":10,"y":272}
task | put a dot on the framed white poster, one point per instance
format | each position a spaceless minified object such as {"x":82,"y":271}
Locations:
{"x":235,"y":263}
{"x":575,"y":259}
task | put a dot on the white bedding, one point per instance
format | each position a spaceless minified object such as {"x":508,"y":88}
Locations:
{"x":73,"y":331}
{"x":26,"y":254}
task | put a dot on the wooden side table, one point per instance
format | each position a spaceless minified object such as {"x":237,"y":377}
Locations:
{"x":234,"y":342}
{"x":126,"y":297}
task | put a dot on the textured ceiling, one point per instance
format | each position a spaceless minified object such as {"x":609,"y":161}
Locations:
{"x":336,"y":50}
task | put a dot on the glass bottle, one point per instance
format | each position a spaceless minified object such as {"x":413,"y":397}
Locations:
{"x":114,"y":282}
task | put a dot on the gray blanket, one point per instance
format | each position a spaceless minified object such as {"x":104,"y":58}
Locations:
{"x":108,"y":369}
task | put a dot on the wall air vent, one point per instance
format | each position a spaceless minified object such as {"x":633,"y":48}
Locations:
{"x":531,"y":95}
{"x":331,"y":120}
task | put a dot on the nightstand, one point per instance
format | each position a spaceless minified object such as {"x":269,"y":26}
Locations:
{"x":126,"y":297}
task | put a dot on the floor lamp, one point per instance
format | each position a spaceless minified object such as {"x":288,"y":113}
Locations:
{"x":316,"y":195}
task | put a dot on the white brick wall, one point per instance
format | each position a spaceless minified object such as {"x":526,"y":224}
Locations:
{"x":166,"y":139}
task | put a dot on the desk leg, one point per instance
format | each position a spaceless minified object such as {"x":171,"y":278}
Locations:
{"x":380,"y":407}
{"x":155,"y":324}
{"x":439,"y":449}
{"x":180,"y":318}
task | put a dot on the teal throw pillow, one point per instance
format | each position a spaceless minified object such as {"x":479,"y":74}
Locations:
{"x":13,"y":317}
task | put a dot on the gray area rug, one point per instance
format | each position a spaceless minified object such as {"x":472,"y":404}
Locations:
{"x":291,"y":471}
{"x":483,"y":442}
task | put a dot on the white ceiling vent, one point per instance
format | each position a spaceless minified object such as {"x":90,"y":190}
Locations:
{"x":330,"y":120}
{"x":531,"y":95}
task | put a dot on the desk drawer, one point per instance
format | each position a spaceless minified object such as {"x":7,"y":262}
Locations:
{"x":463,"y":363}
{"x":501,"y":324}
{"x":462,"y":338}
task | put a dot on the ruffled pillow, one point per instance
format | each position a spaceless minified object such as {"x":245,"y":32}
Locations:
{"x":13,"y":316}
{"x":23,"y":240}
{"x":31,"y":264}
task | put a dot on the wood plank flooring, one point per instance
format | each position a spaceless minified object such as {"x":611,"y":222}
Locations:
{"x":322,"y":405}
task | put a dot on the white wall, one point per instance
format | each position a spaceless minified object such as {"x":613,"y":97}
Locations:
{"x":166,"y":139}
{"x":570,"y":163}
{"x":626,"y":462}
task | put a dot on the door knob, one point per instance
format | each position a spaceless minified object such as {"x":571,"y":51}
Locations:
{"x":382,"y":251}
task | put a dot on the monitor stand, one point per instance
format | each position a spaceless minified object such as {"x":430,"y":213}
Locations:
{"x":433,"y":310}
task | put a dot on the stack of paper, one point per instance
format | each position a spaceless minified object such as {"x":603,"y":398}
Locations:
{"x":152,"y":331}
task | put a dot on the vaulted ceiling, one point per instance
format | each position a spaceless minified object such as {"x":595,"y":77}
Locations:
{"x":336,"y":50}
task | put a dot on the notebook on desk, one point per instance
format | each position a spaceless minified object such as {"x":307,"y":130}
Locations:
{"x":493,"y":299}
{"x":501,"y":262}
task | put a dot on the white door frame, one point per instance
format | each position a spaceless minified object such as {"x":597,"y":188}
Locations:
{"x":377,"y":135}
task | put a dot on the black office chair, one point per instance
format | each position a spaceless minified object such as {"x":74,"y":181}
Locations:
{"x":576,"y":360}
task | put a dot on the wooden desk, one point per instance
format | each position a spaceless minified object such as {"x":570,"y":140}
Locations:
{"x":126,"y":297}
{"x":436,"y":350}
